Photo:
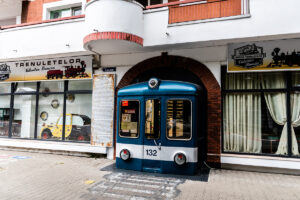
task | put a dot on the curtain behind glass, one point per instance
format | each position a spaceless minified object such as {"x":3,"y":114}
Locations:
{"x":276,"y":103}
{"x":242,"y":115}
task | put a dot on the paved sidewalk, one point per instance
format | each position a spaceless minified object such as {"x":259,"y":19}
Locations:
{"x":37,"y":176}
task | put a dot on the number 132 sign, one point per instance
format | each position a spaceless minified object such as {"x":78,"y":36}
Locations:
{"x":151,"y":153}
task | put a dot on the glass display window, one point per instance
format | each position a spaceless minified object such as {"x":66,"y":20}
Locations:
{"x":23,"y":116}
{"x":50,"y":117}
{"x":80,"y":85}
{"x":21,"y":87}
{"x":51,"y":86}
{"x":78,"y":118}
{"x":5,"y":87}
{"x":4,"y":115}
{"x":42,"y":117}
{"x":261,"y":118}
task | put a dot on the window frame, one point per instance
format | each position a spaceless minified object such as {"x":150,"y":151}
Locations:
{"x":61,"y":5}
{"x":37,"y":93}
{"x":139,"y":119}
{"x":288,"y":90}
{"x":191,"y":132}
{"x":160,"y":109}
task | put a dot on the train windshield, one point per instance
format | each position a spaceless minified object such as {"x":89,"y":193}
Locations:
{"x":129,"y":118}
{"x":152,"y":119}
{"x":179,"y":114}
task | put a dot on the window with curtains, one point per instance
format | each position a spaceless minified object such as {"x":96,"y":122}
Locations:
{"x":261,"y":113}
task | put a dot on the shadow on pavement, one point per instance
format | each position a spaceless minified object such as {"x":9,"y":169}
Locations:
{"x":202,"y":174}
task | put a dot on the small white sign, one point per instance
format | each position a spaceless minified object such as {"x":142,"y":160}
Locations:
{"x":151,"y":153}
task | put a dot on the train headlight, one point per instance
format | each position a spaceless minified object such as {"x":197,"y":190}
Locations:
{"x":180,"y":159}
{"x":153,"y":83}
{"x":125,"y":154}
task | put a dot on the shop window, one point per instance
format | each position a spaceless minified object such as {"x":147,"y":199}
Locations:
{"x":4,"y":115}
{"x":152,"y":119}
{"x":179,"y":113}
{"x":25,"y":87}
{"x":46,"y":87}
{"x":129,"y":118}
{"x":5,"y":88}
{"x":50,"y":117}
{"x":23,"y":116}
{"x":75,"y":11}
{"x":18,"y":118}
{"x":80,"y":85}
{"x":255,"y":116}
{"x":78,"y":120}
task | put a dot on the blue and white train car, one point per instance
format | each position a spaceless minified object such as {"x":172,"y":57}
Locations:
{"x":157,"y":127}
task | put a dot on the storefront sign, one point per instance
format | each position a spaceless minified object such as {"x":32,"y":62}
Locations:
{"x":264,"y":56}
{"x":79,"y":67}
{"x":103,"y":110}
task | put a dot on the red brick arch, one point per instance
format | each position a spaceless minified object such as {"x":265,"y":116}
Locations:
{"x":208,"y":80}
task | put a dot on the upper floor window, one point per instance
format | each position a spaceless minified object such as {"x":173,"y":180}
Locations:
{"x":68,"y":12}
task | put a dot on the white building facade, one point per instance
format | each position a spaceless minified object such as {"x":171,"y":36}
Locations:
{"x":65,"y":70}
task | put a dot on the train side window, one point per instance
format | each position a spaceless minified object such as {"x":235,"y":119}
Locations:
{"x":152,"y":119}
{"x":179,"y":119}
{"x":129,"y":118}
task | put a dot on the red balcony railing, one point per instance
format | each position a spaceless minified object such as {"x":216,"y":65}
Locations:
{"x":208,"y":10}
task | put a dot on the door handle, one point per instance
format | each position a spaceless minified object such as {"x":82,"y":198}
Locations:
{"x":158,"y":146}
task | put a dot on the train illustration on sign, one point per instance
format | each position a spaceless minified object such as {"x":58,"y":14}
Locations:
{"x":280,"y":59}
{"x":69,"y":72}
{"x":248,"y":56}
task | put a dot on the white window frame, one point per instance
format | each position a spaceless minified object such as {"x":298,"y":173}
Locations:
{"x":59,"y":5}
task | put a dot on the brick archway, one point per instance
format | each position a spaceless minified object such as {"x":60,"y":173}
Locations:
{"x":209,"y":82}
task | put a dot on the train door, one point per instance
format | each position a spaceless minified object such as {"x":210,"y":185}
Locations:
{"x":152,"y":135}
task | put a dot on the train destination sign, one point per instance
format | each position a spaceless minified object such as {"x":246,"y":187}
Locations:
{"x":78,"y":67}
{"x":279,"y":55}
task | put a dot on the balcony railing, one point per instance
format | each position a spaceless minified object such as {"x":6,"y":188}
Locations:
{"x":193,"y":10}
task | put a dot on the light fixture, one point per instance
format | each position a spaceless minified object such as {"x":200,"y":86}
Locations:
{"x":180,"y":159}
{"x":125,"y":154}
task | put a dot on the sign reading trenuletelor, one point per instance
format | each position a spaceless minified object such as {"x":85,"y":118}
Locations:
{"x":264,"y":56}
{"x":78,"y":67}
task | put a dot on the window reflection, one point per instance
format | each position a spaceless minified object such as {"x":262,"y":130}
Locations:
{"x":129,"y":118}
{"x":152,"y":121}
{"x":179,"y":119}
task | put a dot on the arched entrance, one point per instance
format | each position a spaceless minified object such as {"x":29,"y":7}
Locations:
{"x":189,"y":70}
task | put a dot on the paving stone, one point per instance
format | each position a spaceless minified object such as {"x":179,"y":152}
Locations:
{"x":37,"y":176}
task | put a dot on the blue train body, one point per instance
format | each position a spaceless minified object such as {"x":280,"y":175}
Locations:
{"x":157,"y":127}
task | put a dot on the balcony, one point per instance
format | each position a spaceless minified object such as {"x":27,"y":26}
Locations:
{"x":194,"y":10}
{"x":113,"y":26}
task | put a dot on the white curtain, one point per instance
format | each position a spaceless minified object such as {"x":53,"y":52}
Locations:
{"x":295,"y":112}
{"x":242,"y":115}
{"x":276,"y":103}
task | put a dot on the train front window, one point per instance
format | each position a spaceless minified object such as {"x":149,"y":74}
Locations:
{"x":152,"y":119}
{"x":129,"y":118}
{"x":179,"y":119}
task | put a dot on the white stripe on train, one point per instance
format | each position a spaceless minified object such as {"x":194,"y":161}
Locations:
{"x":166,"y":153}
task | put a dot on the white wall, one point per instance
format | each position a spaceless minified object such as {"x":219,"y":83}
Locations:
{"x":115,"y":16}
{"x":270,"y":19}
{"x":44,"y":39}
{"x":212,"y":57}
